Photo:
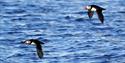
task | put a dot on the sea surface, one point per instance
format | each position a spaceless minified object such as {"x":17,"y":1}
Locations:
{"x":63,"y":25}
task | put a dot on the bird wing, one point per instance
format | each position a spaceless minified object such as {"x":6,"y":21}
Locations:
{"x":90,"y":13}
{"x":100,"y":16}
{"x":39,"y":53}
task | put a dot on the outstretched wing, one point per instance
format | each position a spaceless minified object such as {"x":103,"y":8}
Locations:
{"x":90,"y":13}
{"x":100,"y":16}
{"x":39,"y":53}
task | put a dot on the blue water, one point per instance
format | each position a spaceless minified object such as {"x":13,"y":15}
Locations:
{"x":64,"y":27}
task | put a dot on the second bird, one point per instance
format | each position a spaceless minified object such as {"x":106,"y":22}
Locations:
{"x":98,"y":9}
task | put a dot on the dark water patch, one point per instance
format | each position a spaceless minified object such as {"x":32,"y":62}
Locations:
{"x":88,"y":46}
{"x":3,"y":61}
{"x":97,"y":24}
{"x":67,"y":35}
{"x":118,"y":56}
{"x":18,"y":19}
{"x":15,"y":11}
{"x":31,"y":5}
{"x":8,"y":16}
{"x":22,"y":45}
{"x":31,"y":15}
{"x":67,"y":56}
{"x":13,"y":32}
{"x":71,"y":49}
{"x":33,"y":35}
{"x":51,"y":58}
{"x":28,"y":19}
{"x":118,"y":48}
{"x":54,"y":61}
{"x":79,"y":19}
{"x":104,"y":61}
{"x":108,"y":57}
{"x":119,"y":21}
{"x":7,"y":40}
{"x":38,"y":8}
{"x":7,"y":4}
{"x":44,"y":40}
{"x":103,"y":28}
{"x":107,"y":35}
{"x":1,"y":2}
{"x":121,"y":35}
{"x":64,"y":26}
{"x":62,"y":30}
{"x":36,"y":19}
{"x":48,"y":10}
{"x":81,"y":12}
{"x":84,"y":55}
{"x":56,"y":35}
{"x":104,"y":40}
{"x":12,"y":29}
{"x":67,"y":17}
{"x":38,"y":26}
{"x":119,"y":30}
{"x":121,"y":12}
{"x":91,"y":41}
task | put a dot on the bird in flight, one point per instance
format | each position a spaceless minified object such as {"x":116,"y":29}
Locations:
{"x":37,"y":43}
{"x":97,"y":9}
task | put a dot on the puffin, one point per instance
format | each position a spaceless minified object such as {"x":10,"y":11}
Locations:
{"x":94,"y":8}
{"x":37,"y":43}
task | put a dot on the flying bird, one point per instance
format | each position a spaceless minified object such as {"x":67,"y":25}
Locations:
{"x":37,"y":43}
{"x":98,"y":9}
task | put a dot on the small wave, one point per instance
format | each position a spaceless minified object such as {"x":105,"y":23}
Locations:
{"x":121,"y":12}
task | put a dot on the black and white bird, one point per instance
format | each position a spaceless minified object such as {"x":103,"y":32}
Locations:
{"x":37,"y":43}
{"x":98,"y":9}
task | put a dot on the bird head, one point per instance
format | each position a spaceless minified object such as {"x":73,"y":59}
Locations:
{"x":29,"y":42}
{"x":87,"y":7}
{"x":32,"y":42}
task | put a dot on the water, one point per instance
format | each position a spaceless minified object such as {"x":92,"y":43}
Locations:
{"x":64,"y":27}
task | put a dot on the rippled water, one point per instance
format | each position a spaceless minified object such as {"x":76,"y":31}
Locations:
{"x":64,"y":27}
